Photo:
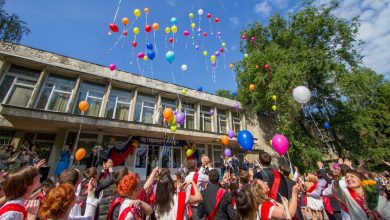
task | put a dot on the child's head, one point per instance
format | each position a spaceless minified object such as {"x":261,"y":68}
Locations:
{"x":47,"y":185}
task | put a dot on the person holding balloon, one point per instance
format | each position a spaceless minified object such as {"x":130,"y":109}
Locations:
{"x":63,"y":162}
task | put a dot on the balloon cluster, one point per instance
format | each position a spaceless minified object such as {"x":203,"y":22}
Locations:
{"x":274,"y":107}
{"x":150,"y":53}
{"x":173,"y":118}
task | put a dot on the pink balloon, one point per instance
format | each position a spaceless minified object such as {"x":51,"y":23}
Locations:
{"x":141,"y":55}
{"x":253,"y":39}
{"x":186,"y":33}
{"x":280,"y":144}
{"x":112,"y":67}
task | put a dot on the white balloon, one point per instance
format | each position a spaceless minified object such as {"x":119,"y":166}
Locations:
{"x":184,"y":67}
{"x":301,"y":94}
{"x":200,"y":12}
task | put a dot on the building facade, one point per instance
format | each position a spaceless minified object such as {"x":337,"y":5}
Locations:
{"x":40,"y":92}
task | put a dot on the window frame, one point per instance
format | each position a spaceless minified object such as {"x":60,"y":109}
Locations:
{"x":219,"y":120}
{"x":142,"y":107}
{"x":187,"y":111}
{"x":87,"y":96}
{"x":120,"y":102}
{"x":234,"y":123}
{"x":204,"y":114}
{"x":16,"y":83}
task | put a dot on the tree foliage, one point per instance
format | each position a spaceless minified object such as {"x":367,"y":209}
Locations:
{"x":316,"y":49}
{"x":224,"y":93}
{"x":12,"y":28}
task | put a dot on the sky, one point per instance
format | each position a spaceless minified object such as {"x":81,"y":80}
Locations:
{"x":79,"y":29}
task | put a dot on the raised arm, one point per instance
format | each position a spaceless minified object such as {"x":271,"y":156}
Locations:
{"x":197,"y":197}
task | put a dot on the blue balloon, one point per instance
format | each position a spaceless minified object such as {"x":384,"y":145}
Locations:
{"x":151,"y":54}
{"x":200,"y":89}
{"x":245,"y":140}
{"x":170,"y":56}
{"x":149,"y":46}
{"x":326,"y":125}
{"x":173,"y":20}
{"x":234,"y":94}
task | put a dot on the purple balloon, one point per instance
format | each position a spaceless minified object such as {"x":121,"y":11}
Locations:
{"x":228,"y":152}
{"x":230,"y":134}
{"x":211,"y":112}
{"x":219,"y":33}
{"x":236,"y":106}
{"x":180,"y":117}
{"x":197,"y":47}
{"x":199,"y":30}
{"x":216,"y":53}
{"x":175,"y":112}
{"x":280,"y":144}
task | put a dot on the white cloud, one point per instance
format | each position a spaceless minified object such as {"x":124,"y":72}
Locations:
{"x":263,"y":8}
{"x":171,"y":3}
{"x":234,"y":22}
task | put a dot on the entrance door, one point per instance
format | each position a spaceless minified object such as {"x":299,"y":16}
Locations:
{"x":171,"y":157}
{"x":153,"y":156}
{"x":140,"y":162}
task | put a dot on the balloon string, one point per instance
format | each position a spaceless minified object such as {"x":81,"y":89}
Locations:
{"x":117,"y":10}
{"x":139,"y":67}
{"x":211,"y":29}
{"x":154,"y":40}
{"x":166,"y":45}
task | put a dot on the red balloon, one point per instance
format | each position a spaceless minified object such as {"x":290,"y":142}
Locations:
{"x":134,"y":43}
{"x":124,"y":33}
{"x":148,"y":28}
{"x":208,"y":15}
{"x":266,"y":66}
{"x":170,"y":40}
{"x":221,"y":50}
{"x":216,"y":20}
{"x":204,"y":34}
{"x":114,"y":27}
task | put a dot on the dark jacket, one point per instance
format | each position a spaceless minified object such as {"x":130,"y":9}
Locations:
{"x":225,"y":208}
{"x":267,"y":175}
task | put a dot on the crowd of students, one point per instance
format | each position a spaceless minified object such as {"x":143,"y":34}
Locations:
{"x":199,"y":193}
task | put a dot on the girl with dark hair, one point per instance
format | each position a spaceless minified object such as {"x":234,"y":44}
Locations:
{"x":246,"y":209}
{"x":361,"y":196}
{"x":171,"y":200}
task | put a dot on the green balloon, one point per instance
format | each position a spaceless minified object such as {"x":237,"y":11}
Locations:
{"x":173,"y":128}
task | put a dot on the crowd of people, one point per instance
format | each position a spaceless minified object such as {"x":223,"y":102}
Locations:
{"x":239,"y":191}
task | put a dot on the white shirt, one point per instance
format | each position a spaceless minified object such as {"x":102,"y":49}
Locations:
{"x":13,"y":215}
{"x":126,"y":203}
{"x":173,"y":212}
{"x":91,"y":204}
{"x":202,"y":179}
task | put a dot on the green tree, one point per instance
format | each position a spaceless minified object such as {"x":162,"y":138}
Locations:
{"x":224,"y":93}
{"x":316,"y":49}
{"x":12,"y":28}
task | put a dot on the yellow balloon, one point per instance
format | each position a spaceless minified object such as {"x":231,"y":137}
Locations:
{"x":167,"y":30}
{"x":191,"y":15}
{"x":183,"y":91}
{"x":274,"y":107}
{"x":189,"y":152}
{"x":145,"y":58}
{"x":204,"y":53}
{"x":246,"y":56}
{"x":213,"y":58}
{"x":270,"y":142}
{"x":193,"y":25}
{"x":274,"y":97}
{"x":136,"y":30}
{"x":174,"y":29}
{"x":137,"y":12}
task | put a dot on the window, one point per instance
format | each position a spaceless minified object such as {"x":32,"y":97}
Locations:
{"x":6,"y":137}
{"x":222,"y":125}
{"x":171,"y":157}
{"x":118,"y":106}
{"x":140,"y":160}
{"x":87,"y":141}
{"x":236,"y":122}
{"x":166,"y":103}
{"x":144,"y":109}
{"x":43,"y":141}
{"x":110,"y":140}
{"x":217,"y":156}
{"x":93,"y":94}
{"x":56,"y":93}
{"x":206,"y":123}
{"x":189,"y":111}
{"x":18,"y":85}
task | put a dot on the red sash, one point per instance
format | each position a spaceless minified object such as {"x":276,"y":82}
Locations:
{"x":126,"y":211}
{"x":195,"y":179}
{"x":371,"y":214}
{"x":265,"y":209}
{"x":218,"y":199}
{"x":117,"y":201}
{"x":273,"y":193}
{"x":311,"y":189}
{"x":13,"y":207}
{"x":181,"y":202}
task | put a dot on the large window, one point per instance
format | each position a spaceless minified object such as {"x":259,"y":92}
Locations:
{"x":166,"y":103}
{"x":87,"y":141}
{"x":56,"y":93}
{"x":119,"y":104}
{"x":93,"y":94}
{"x":206,"y":122}
{"x":189,"y":111}
{"x":144,"y":108}
{"x":222,"y":122}
{"x":6,"y":137}
{"x":236,"y":122}
{"x":18,"y":85}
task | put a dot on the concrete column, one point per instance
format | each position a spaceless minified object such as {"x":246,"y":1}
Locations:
{"x":73,"y":96}
{"x":243,"y":121}
{"x":214,"y":119}
{"x":197,"y":116}
{"x":37,"y":88}
{"x":229,"y":120}
{"x":56,"y":149}
{"x":18,"y":135}
{"x":132,"y":104}
{"x":157,"y":110}
{"x":106,"y":96}
{"x":4,"y":66}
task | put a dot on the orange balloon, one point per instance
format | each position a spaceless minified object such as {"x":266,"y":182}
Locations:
{"x":225,"y":140}
{"x":80,"y":154}
{"x":135,"y":143}
{"x":252,"y":87}
{"x":146,"y":10}
{"x":125,"y":21}
{"x":168,"y":113}
{"x":156,"y":26}
{"x":231,"y":66}
{"x":83,"y":106}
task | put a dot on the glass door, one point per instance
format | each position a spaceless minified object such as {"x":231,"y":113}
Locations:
{"x":153,"y":156}
{"x":141,"y":161}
